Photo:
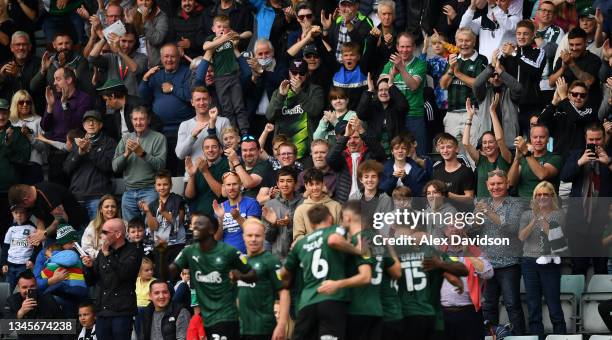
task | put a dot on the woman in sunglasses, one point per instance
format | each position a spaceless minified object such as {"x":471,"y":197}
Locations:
{"x":302,"y":36}
{"x":567,"y":116}
{"x":24,"y":116}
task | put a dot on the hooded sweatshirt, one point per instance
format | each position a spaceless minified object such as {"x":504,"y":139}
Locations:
{"x":301,"y":223}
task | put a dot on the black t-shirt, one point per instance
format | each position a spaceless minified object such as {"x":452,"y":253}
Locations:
{"x":457,"y":181}
{"x":588,"y":63}
{"x":51,"y":195}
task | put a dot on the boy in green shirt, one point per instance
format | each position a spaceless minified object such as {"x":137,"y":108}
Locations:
{"x":323,"y":255}
{"x":214,"y":267}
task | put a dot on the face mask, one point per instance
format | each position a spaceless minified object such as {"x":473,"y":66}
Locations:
{"x":265,"y":62}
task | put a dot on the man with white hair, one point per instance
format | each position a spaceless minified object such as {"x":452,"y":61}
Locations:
{"x":16,"y":74}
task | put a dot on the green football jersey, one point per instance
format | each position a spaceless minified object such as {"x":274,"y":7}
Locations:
{"x":210,"y":277}
{"x":389,"y":299}
{"x":256,"y":300}
{"x":319,"y":262}
{"x":419,"y":291}
{"x":365,"y":300}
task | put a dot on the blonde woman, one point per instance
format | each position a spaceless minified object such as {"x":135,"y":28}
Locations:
{"x":107,"y":209}
{"x":24,"y":115}
{"x":542,"y":236}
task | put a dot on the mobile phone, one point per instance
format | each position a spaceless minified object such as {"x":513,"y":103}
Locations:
{"x":591,"y":147}
{"x":32,"y":293}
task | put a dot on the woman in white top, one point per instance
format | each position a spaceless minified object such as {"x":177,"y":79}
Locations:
{"x":24,"y":115}
{"x":107,"y":209}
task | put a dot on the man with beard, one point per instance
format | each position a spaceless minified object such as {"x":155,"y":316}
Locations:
{"x":89,"y":163}
{"x":66,"y":106}
{"x":214,"y":266}
{"x":204,"y":183}
{"x":184,"y":28}
{"x":62,"y":56}
{"x":17,"y":73}
{"x":254,"y":172}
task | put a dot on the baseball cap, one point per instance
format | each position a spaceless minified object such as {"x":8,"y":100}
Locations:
{"x":310,"y":49}
{"x":65,"y":234}
{"x":298,"y":66}
{"x":4,"y":104}
{"x":349,"y":1}
{"x":92,"y":114}
{"x":588,"y":12}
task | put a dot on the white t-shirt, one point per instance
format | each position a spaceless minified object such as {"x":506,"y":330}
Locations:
{"x":19,"y":249}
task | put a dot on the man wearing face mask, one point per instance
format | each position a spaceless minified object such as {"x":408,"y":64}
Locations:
{"x":266,"y":75}
{"x":62,"y":55}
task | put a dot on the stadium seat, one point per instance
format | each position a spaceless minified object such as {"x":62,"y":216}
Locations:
{"x":572,"y":287}
{"x":564,"y":337}
{"x":599,"y":289}
{"x":5,"y":292}
{"x":600,"y":337}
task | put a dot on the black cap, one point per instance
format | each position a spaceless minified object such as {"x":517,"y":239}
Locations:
{"x":298,"y":66}
{"x":310,"y":49}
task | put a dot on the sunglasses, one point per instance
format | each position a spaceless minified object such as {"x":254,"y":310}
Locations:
{"x":299,"y":73}
{"x":24,"y":102}
{"x":247,"y":137}
{"x":578,"y":94}
{"x":304,"y":16}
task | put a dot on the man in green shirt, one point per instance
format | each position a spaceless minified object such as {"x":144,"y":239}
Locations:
{"x":213,"y":267}
{"x":254,"y":172}
{"x":256,"y":300}
{"x":408,"y":74}
{"x":322,"y":257}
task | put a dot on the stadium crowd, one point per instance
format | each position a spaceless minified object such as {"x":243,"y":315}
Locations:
{"x":223,"y":169}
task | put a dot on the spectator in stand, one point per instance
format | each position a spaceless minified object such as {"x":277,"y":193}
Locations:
{"x":533,"y":163}
{"x":184,"y":28}
{"x":16,"y":250}
{"x":66,"y":105}
{"x":123,"y":62}
{"x":501,"y":219}
{"x":402,"y":170}
{"x":315,"y":187}
{"x":204,"y":184}
{"x":278,"y":159}
{"x":278,"y":213}
{"x":525,"y":63}
{"x":233,"y":212}
{"x":16,"y":74}
{"x":27,"y":304}
{"x":494,"y":28}
{"x":373,"y":200}
{"x":230,"y":139}
{"x":163,"y":319}
{"x":118,"y":121}
{"x":352,"y":148}
{"x":459,"y":79}
{"x":437,"y":64}
{"x":319,"y":61}
{"x":114,"y":273}
{"x":453,"y":11}
{"x":139,"y":155}
{"x":458,"y":177}
{"x":87,"y":320}
{"x":351,"y":74}
{"x":63,"y":55}
{"x":89,"y":163}
{"x":192,"y":132}
{"x":491,"y":152}
{"x":590,"y":172}
{"x":108,"y":208}
{"x":23,"y":115}
{"x":319,"y":149}
{"x":542,"y":235}
{"x":495,"y":84}
{"x":339,"y":102}
{"x":384,"y":38}
{"x":388,"y":100}
{"x":167,"y":88}
{"x":151,"y":25}
{"x":548,"y":37}
{"x":567,"y":115}
{"x":254,"y":172}
{"x":14,"y":150}
{"x":408,"y":73}
{"x":307,"y":34}
{"x":267,"y":71}
{"x":24,"y":15}
{"x":240,"y":21}
{"x":591,"y":21}
{"x":104,"y":18}
{"x":577,"y":63}
{"x":274,"y":19}
{"x":296,"y":107}
{"x":350,"y":26}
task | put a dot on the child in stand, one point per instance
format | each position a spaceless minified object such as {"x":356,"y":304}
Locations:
{"x":136,"y":234}
{"x":436,"y":66}
{"x":143,"y":281}
{"x":231,"y":139}
{"x":87,"y":319}
{"x":17,"y":251}
{"x":352,"y":73}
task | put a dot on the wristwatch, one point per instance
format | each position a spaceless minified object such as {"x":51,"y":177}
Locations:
{"x":529,"y":153}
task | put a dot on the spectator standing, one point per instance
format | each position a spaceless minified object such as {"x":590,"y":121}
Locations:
{"x":24,"y":15}
{"x":66,"y":105}
{"x":319,"y":149}
{"x":254,"y":172}
{"x":402,"y":170}
{"x":167,"y":88}
{"x":138,"y":156}
{"x":151,"y":24}
{"x":350,"y":26}
{"x":457,"y":176}
{"x":339,"y":102}
{"x":108,"y":208}
{"x":163,"y":319}
{"x":89,"y":163}
{"x":23,"y":115}
{"x":16,"y":250}
{"x":240,"y":21}
{"x":548,"y":37}
{"x":183,"y":28}
{"x":16,"y":74}
{"x":114,"y":273}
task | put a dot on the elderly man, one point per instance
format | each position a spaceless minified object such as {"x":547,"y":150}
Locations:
{"x":89,"y":163}
{"x":319,"y":148}
{"x":139,"y":155}
{"x":162,"y":318}
{"x":17,"y":73}
{"x":114,"y":273}
{"x":266,"y":75}
{"x":167,"y":88}
{"x":66,"y":105}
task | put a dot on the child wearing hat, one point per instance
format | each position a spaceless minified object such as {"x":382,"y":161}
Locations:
{"x":20,"y":250}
